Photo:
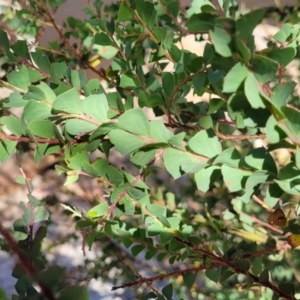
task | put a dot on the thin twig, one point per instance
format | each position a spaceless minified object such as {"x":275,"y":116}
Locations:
{"x":240,"y":136}
{"x":262,"y":203}
{"x":166,"y":275}
{"x":219,"y":9}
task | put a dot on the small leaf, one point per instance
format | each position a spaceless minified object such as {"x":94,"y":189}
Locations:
{"x":41,"y":215}
{"x":252,"y":91}
{"x":189,"y":279}
{"x":135,"y":250}
{"x":206,"y":177}
{"x":124,"y":13}
{"x":246,"y":24}
{"x":242,"y":264}
{"x":213,"y":274}
{"x":264,"y":276}
{"x":98,"y":210}
{"x":74,"y":293}
{"x":234,"y":78}
{"x":168,"y":291}
{"x":205,"y":143}
{"x":128,"y":81}
{"x":177,"y":162}
{"x":221,"y":41}
{"x":201,"y":22}
{"x":135,"y":121}
{"x":125,"y":142}
{"x":68,"y":102}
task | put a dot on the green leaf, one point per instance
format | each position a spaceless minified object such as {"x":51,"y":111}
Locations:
{"x":68,"y":102}
{"x":159,"y":132}
{"x":282,"y":35}
{"x":41,"y":92}
{"x":74,"y":293}
{"x":242,"y":264}
{"x":41,"y":215}
{"x":79,"y":127}
{"x":287,"y":288}
{"x":206,"y":177}
{"x":157,"y":210}
{"x":263,"y":68}
{"x":230,"y":157}
{"x":225,"y":275}
{"x":273,"y":132}
{"x":264,"y":276}
{"x":168,"y":291}
{"x":4,"y":41}
{"x":45,"y":129}
{"x":34,"y":202}
{"x":125,"y":142}
{"x":213,"y":274}
{"x":6,"y":149}
{"x":234,"y":178}
{"x":137,"y":249}
{"x":142,"y":158}
{"x":102,"y":39}
{"x":282,"y":56}
{"x":98,"y":210}
{"x":215,"y":104}
{"x":128,"y":81}
{"x":201,"y":22}
{"x":168,"y":83}
{"x":189,"y":279}
{"x":290,"y":124}
{"x":282,"y":93}
{"x":274,"y":192}
{"x":221,"y":41}
{"x":135,"y":121}
{"x":96,"y":106}
{"x":177,"y":162}
{"x":19,"y":78}
{"x":246,"y":24}
{"x":205,"y":143}
{"x":260,"y":159}
{"x":243,"y":50}
{"x":124,"y":13}
{"x":252,"y":91}
{"x":234,"y":78}
{"x":36,"y":111}
{"x":13,"y":124}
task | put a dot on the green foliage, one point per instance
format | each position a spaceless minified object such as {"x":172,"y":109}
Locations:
{"x":212,"y":229}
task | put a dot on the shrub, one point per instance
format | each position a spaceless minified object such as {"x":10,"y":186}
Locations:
{"x":228,"y":228}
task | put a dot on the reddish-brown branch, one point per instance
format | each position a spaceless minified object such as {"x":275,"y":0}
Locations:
{"x":218,"y":8}
{"x":72,"y":49}
{"x":25,"y":262}
{"x":166,"y":275}
{"x":223,"y":261}
{"x":258,"y":221}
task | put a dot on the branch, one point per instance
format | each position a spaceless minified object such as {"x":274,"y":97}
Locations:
{"x":25,"y":262}
{"x":219,"y":9}
{"x":166,"y":275}
{"x":239,"y":137}
{"x":224,"y":262}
